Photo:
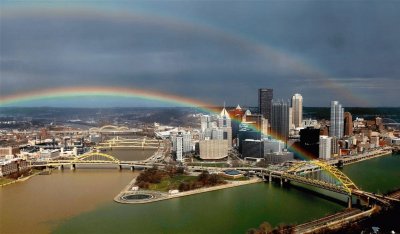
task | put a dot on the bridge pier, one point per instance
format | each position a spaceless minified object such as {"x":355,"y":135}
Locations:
{"x":270,"y":177}
{"x":61,"y":167}
{"x":119,"y":167}
{"x":132,"y":168}
{"x":281,"y":181}
{"x":349,"y":201}
{"x":73,"y":167}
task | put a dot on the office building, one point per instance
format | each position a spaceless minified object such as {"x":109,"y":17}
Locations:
{"x":309,"y":140}
{"x":297,"y":110}
{"x":10,"y":150}
{"x":348,"y":124}
{"x":247,"y":131}
{"x":325,"y":147}
{"x":252,"y":148}
{"x":236,"y":115}
{"x":224,"y":123}
{"x":280,"y":120}
{"x":336,"y":128}
{"x":13,"y":165}
{"x":335,"y":149}
{"x":258,"y":122}
{"x":273,"y":146}
{"x":278,"y":158}
{"x":181,"y":143}
{"x":265,"y":97}
{"x":261,"y":148}
{"x":206,"y":122}
{"x":213,"y":149}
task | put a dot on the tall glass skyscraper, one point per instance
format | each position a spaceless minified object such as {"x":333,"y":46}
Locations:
{"x":280,"y":119}
{"x":297,"y":110}
{"x":264,"y":102}
{"x":336,"y":128}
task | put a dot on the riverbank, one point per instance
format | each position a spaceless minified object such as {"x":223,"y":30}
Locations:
{"x":360,"y":158}
{"x":21,"y":179}
{"x":336,"y":221}
{"x":159,"y":196}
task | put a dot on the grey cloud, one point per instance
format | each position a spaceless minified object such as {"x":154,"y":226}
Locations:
{"x":353,"y":44}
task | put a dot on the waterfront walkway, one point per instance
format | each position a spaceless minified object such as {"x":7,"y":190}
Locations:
{"x":160,"y":196}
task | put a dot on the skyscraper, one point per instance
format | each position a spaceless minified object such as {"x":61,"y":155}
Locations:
{"x":205,"y":122}
{"x":348,"y":124}
{"x":325,"y":147}
{"x":265,"y":102}
{"x":224,"y":123}
{"x":280,"y":119}
{"x":297,"y":110}
{"x":336,"y":128}
{"x":181,"y":144}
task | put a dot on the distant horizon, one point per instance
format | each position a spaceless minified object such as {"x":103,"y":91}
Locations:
{"x":110,"y":107}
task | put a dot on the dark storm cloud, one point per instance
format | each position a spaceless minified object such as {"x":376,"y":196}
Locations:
{"x":355,"y":43}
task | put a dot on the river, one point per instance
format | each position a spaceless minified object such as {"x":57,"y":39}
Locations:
{"x":81,"y":202}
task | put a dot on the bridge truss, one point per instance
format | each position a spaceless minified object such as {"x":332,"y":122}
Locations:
{"x":94,"y":157}
{"x":333,"y":179}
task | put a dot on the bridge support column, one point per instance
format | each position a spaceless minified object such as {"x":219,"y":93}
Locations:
{"x":119,"y":167}
{"x":349,"y":201}
{"x":270,"y":177}
{"x":73,"y":167}
{"x":281,"y":181}
{"x":61,"y":167}
{"x":132,"y":168}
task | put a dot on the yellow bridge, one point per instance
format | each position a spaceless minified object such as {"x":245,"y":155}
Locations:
{"x":120,"y":142}
{"x":333,"y":180}
{"x":337,"y":181}
{"x":92,"y":158}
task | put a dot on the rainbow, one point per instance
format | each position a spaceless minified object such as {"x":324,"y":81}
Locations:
{"x":79,"y":91}
{"x":297,"y":65}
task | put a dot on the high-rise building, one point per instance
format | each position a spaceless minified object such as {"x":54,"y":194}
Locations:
{"x":309,"y":140}
{"x":206,"y":122}
{"x":224,"y":123}
{"x":348,"y":124}
{"x":335,"y":149}
{"x":265,"y":97}
{"x":237,"y":117}
{"x":280,"y":120}
{"x":325,"y":147}
{"x":297,"y":110}
{"x":336,"y":128}
{"x":259,"y":122}
{"x":181,"y":144}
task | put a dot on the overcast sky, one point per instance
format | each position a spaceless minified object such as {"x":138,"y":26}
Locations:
{"x":214,"y":51}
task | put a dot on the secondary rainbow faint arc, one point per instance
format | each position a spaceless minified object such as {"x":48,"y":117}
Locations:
{"x":121,"y":92}
{"x":297,"y":65}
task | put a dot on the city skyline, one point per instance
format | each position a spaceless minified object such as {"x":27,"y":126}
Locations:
{"x":144,"y":46}
{"x":138,"y":116}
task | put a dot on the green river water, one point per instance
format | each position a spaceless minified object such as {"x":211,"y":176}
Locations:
{"x":89,"y":194}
